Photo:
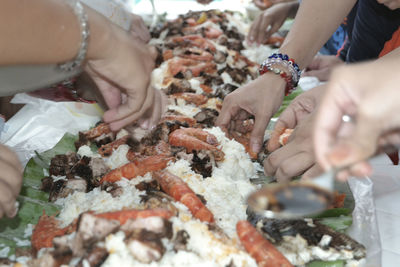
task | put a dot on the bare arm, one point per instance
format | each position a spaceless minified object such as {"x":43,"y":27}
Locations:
{"x":315,"y":22}
{"x":45,"y":31}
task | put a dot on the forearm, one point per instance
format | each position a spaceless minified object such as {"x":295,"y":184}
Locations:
{"x":315,"y":22}
{"x":44,"y":32}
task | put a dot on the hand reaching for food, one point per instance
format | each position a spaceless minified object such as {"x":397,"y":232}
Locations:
{"x":270,"y":20}
{"x":369,"y":93}
{"x":297,"y":156}
{"x":10,"y":181}
{"x":322,"y":66}
{"x":258,"y":99}
{"x":297,"y":110}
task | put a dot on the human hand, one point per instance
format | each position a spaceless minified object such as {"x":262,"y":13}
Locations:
{"x":391,"y":4}
{"x":268,"y":22}
{"x":297,"y":156}
{"x":297,"y":110}
{"x":204,"y":2}
{"x":121,"y":68}
{"x":369,"y":93}
{"x":139,"y":30}
{"x":260,"y":98}
{"x":10,"y":181}
{"x":322,"y":66}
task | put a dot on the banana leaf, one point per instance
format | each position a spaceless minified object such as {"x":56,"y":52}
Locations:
{"x":32,"y":201}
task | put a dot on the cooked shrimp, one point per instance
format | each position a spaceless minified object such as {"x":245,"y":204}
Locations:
{"x":138,"y":167}
{"x":244,"y":139}
{"x":45,"y":230}
{"x":196,"y":67}
{"x":265,"y":254}
{"x":196,"y":139}
{"x":195,"y":40}
{"x":192,"y":98}
{"x":107,"y":149}
{"x":124,"y":215}
{"x":168,"y":54}
{"x":206,"y":89}
{"x":97,"y":131}
{"x":284,"y":137}
{"x":180,"y":191}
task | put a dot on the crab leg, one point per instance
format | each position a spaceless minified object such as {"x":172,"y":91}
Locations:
{"x":180,"y":191}
{"x":138,"y":167}
{"x":265,"y":254}
{"x":196,"y":139}
{"x":123,"y":215}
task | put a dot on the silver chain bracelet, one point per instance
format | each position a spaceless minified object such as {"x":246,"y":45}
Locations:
{"x":84,"y":27}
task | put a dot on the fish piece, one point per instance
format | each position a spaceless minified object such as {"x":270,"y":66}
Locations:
{"x":196,"y":139}
{"x":107,"y":149}
{"x":265,"y":254}
{"x":102,"y":128}
{"x":180,"y":191}
{"x":124,"y":215}
{"x":138,"y":167}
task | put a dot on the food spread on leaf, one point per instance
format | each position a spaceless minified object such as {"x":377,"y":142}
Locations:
{"x":177,"y":195}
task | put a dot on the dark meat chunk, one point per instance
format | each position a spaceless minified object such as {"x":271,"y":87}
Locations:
{"x":6,"y":262}
{"x":145,"y":246}
{"x":47,"y":184}
{"x":238,"y":75}
{"x":222,"y":40}
{"x":95,"y":257}
{"x":223,"y":91}
{"x":207,"y":117}
{"x":61,"y":165}
{"x":210,"y":80}
{"x":82,"y":168}
{"x":56,"y":189}
{"x":157,"y":225}
{"x":234,"y":34}
{"x":112,"y":188}
{"x":148,"y":186}
{"x":179,"y":86}
{"x":202,"y":163}
{"x":62,"y":188}
{"x":181,"y":240}
{"x":82,"y":141}
{"x":90,"y":230}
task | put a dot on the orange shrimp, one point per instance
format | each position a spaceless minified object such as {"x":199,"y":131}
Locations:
{"x":196,"y":139}
{"x":97,"y":131}
{"x":244,"y":139}
{"x":124,"y":215}
{"x":196,"y":67}
{"x":179,"y":118}
{"x":284,"y":137}
{"x":180,"y":191}
{"x":265,"y":254}
{"x":275,"y":40}
{"x":192,"y":98}
{"x":45,"y":230}
{"x":138,"y":167}
{"x":239,"y":56}
{"x":107,"y":149}
{"x":195,"y":40}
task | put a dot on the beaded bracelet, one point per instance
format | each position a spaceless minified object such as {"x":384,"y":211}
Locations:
{"x":288,"y":79}
{"x":288,"y":63}
{"x":84,"y":26}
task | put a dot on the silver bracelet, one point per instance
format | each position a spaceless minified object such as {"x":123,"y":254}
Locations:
{"x":84,"y":26}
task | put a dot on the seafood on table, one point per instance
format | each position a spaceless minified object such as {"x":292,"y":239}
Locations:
{"x":176,"y":195}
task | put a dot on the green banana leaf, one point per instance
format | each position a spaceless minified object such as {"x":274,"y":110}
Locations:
{"x":32,"y":201}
